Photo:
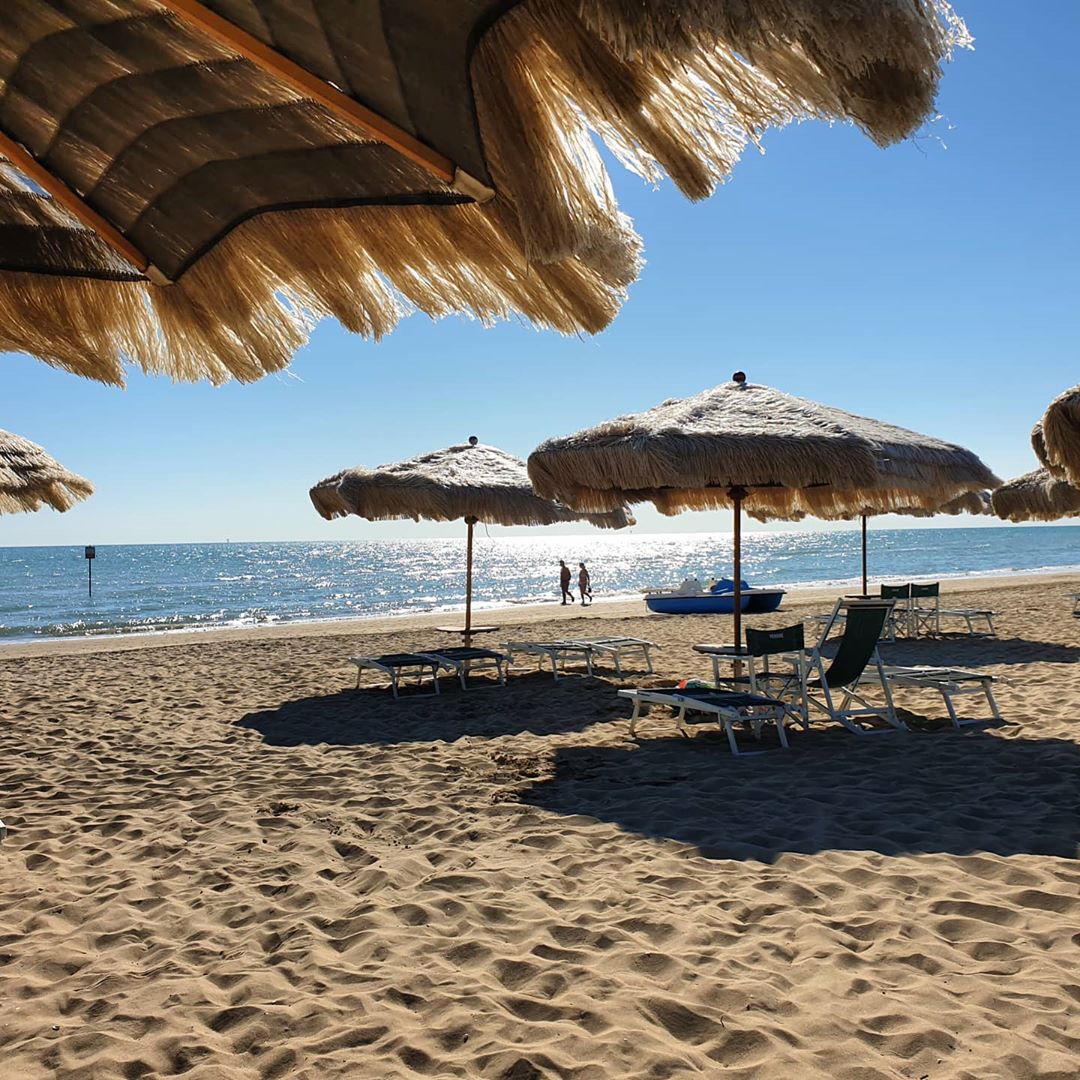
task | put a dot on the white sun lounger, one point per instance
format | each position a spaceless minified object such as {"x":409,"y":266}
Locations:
{"x":616,"y":646}
{"x":558,"y":652}
{"x":724,"y":708}
{"x":397,"y":666}
{"x":463,"y":661}
{"x":949,"y":683}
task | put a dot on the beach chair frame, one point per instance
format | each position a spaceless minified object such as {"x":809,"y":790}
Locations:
{"x":845,"y":674}
{"x":463,"y":661}
{"x":555,"y":652}
{"x":727,"y":709}
{"x":949,"y":683}
{"x":397,"y":667}
{"x":614,"y":647}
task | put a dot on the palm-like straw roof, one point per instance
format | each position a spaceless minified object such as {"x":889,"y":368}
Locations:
{"x":792,"y":455}
{"x":1059,"y":430}
{"x":189,"y":185}
{"x":470,"y":480}
{"x":1036,"y":496}
{"x":31,"y":479}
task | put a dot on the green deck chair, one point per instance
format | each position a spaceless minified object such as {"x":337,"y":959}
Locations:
{"x":857,"y":652}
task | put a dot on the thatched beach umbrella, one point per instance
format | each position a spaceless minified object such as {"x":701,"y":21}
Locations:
{"x":752,"y":447}
{"x":1036,"y":496}
{"x":470,"y":481}
{"x":31,"y":479}
{"x":188,"y":185}
{"x":1057,"y":436}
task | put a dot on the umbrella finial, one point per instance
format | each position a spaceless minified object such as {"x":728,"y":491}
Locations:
{"x":739,"y":377}
{"x":473,"y":440}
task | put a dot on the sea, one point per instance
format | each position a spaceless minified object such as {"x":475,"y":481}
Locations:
{"x":163,"y":588}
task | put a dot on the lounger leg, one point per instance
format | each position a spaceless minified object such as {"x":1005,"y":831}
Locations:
{"x":393,"y":683}
{"x":947,"y":697}
{"x":991,"y":702}
{"x":618,"y":666}
{"x":636,"y":716}
{"x":729,"y":728}
{"x":781,"y":724}
{"x":648,"y":661}
{"x":501,"y":672}
{"x":680,"y":719}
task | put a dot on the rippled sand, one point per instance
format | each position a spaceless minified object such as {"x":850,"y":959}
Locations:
{"x":223,"y":861}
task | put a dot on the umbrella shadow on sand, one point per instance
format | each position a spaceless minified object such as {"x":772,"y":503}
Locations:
{"x":940,"y":791}
{"x":975,"y":652}
{"x":528,"y":703}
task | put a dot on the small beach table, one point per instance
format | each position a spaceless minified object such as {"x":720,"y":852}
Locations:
{"x":461,"y":631}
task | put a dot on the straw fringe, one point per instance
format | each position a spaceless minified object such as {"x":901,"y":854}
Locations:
{"x":1061,"y":435}
{"x":30,"y":478}
{"x":794,"y":456}
{"x":671,"y":88}
{"x":1036,"y":496}
{"x":448,"y":485}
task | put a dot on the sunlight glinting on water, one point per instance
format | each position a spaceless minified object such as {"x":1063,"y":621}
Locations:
{"x":156,"y":588}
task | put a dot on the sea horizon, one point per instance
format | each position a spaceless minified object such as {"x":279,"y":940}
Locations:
{"x":162,"y":588}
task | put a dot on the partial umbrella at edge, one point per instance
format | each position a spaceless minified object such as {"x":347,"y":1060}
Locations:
{"x":30,"y":478}
{"x":470,"y":482}
{"x":1036,"y":496}
{"x":190,"y":185}
{"x":1060,"y":436}
{"x":751,"y":447}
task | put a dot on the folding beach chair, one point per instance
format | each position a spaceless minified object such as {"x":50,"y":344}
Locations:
{"x":857,"y":652}
{"x":761,"y":645}
{"x":399,"y":665}
{"x":949,"y":683}
{"x":725,"y":708}
{"x":899,"y":622}
{"x":463,"y":661}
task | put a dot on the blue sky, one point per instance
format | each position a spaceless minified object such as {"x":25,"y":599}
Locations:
{"x":934,"y":285}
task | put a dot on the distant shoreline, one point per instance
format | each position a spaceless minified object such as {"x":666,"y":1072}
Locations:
{"x":510,"y":614}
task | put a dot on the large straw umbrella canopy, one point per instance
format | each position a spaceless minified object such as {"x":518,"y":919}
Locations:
{"x":751,"y":447}
{"x":470,"y":482}
{"x":1036,"y":496}
{"x":30,"y":478}
{"x":189,"y":185}
{"x":1057,"y":436}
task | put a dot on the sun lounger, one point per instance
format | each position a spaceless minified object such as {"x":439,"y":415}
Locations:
{"x":557,"y":652}
{"x":726,"y":709}
{"x":397,"y":666}
{"x":616,"y":646}
{"x":927,"y":613}
{"x":949,"y":683}
{"x":464,"y":661}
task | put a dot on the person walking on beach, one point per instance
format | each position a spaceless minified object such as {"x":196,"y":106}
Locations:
{"x":564,"y":582}
{"x":584,"y":583}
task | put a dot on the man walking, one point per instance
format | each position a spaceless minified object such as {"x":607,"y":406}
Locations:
{"x":564,"y":582}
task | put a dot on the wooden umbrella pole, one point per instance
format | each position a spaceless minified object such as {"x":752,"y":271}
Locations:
{"x":737,"y":495}
{"x":865,"y":591}
{"x":467,"y":637}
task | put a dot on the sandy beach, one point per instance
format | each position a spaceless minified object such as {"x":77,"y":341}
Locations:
{"x":223,"y":861}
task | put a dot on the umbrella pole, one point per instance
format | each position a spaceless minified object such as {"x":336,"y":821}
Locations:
{"x":865,"y":591}
{"x":737,"y":495}
{"x":467,"y":636}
